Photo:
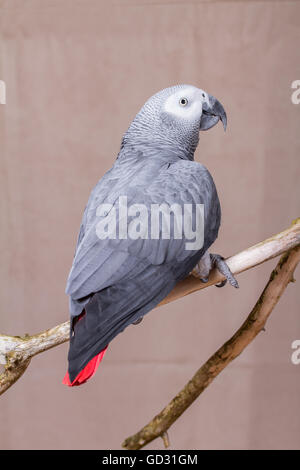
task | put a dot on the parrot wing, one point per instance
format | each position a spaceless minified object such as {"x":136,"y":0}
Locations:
{"x":99,"y":263}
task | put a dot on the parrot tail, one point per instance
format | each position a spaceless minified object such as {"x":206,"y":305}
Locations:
{"x":89,"y":370}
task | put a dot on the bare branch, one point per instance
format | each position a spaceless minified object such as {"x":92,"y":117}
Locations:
{"x":16,"y":351}
{"x":279,"y":279}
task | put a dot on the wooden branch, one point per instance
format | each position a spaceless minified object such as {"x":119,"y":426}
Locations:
{"x":279,"y":279}
{"x":16,"y":351}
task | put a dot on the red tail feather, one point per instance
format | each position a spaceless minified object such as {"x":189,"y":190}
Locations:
{"x":87,"y":372}
{"x":90,"y":369}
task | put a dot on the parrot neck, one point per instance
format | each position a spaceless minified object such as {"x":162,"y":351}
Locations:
{"x":149,"y":140}
{"x":155,"y":148}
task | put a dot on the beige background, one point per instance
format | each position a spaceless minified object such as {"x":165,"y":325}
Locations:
{"x":76,"y":74}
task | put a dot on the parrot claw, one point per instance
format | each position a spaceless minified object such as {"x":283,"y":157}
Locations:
{"x":136,"y":322}
{"x":221,"y":265}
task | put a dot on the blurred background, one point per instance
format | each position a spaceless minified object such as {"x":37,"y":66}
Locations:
{"x":76,"y":73}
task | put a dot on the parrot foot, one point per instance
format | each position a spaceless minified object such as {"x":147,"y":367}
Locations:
{"x":221,"y":265}
{"x":136,"y":322}
{"x":207,"y":263}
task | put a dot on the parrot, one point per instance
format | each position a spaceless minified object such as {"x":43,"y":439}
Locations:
{"x":115,"y":280}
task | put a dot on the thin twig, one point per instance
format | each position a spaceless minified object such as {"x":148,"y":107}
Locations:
{"x":165,"y":438}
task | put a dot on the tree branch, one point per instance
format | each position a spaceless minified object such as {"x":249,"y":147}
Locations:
{"x":279,"y":279}
{"x":16,"y":352}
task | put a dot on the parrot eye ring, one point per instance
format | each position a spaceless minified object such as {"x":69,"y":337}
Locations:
{"x":183,"y":101}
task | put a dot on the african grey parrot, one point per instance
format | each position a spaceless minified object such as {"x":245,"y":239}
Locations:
{"x":115,"y":281}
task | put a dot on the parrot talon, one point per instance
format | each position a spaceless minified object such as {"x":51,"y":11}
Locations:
{"x":222,"y":284}
{"x":221,"y":265}
{"x":136,"y":322}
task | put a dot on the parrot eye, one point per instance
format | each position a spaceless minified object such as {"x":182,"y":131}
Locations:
{"x":183,"y":101}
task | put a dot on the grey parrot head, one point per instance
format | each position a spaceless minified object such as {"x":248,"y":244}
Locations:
{"x":173,"y":118}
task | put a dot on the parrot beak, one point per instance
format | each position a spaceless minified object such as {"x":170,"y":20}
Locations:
{"x":212,"y":112}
